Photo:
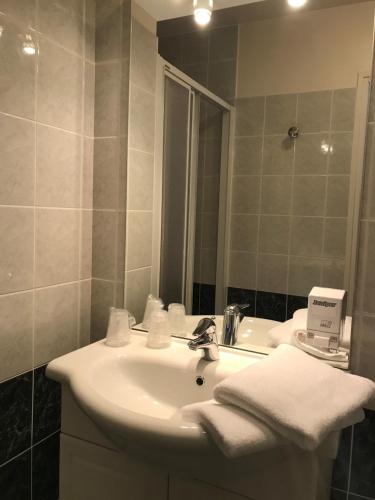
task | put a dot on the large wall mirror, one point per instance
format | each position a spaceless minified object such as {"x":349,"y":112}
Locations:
{"x":262,"y":139}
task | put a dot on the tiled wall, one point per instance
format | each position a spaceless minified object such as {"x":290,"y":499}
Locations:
{"x":45,"y":263}
{"x":112,"y":46}
{"x":208,"y":56}
{"x":290,"y":197}
{"x":141,"y":145}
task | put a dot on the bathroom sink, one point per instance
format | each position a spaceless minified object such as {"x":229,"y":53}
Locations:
{"x":134,"y":394}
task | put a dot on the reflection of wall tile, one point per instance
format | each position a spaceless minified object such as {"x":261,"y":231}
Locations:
{"x":244,"y":233}
{"x":307,"y":236}
{"x":223,"y":43}
{"x":102,"y":298}
{"x":343,"y":109}
{"x":222,"y":79}
{"x":338,"y":196}
{"x":195,"y":47}
{"x":23,"y":10}
{"x":341,"y":155}
{"x":248,"y":155}
{"x":242,"y":270}
{"x":272,"y":273}
{"x":311,"y":155}
{"x":333,"y":273}
{"x":314,"y":111}
{"x":137,"y":285}
{"x":274,"y":233}
{"x":250,"y":116}
{"x":197,"y":71}
{"x":309,"y":194}
{"x":139,"y":240}
{"x":335,"y":238}
{"x":304,"y":273}
{"x":271,"y":306}
{"x":245,"y":194}
{"x":280,"y":113}
{"x":276,"y":194}
{"x":278,"y":153}
{"x":170,"y":48}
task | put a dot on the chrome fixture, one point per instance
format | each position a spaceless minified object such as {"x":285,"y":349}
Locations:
{"x":206,"y":339}
{"x":293,"y":132}
{"x":231,"y":322}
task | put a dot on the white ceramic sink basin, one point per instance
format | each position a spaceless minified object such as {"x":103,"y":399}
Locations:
{"x":134,"y":394}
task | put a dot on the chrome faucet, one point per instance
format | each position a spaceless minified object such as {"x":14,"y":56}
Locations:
{"x":231,"y":322}
{"x":206,"y":339}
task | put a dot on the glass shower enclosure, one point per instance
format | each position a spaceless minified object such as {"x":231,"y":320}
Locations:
{"x":194,"y":163}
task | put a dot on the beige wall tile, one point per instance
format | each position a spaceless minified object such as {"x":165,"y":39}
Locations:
{"x":108,"y":42}
{"x":17,"y":153}
{"x":274,"y":234}
{"x":333,"y":272}
{"x":276,"y":194}
{"x":107,"y":158}
{"x":104,"y":244}
{"x":304,"y":273}
{"x":280,"y":113}
{"x":62,"y":20}
{"x":17,"y":249}
{"x":89,"y":99}
{"x":86,"y":244}
{"x":90,"y":30}
{"x":59,"y":87}
{"x":143,"y":57}
{"x":17,"y":71}
{"x":137,"y":285}
{"x":309,"y":193}
{"x":335,"y":238}
{"x":245,"y":194}
{"x":56,"y":322}
{"x":57,"y":235}
{"x":58,"y":168}
{"x":340,"y":157}
{"x":85,"y":313}
{"x":108,"y":98}
{"x":242,"y":270}
{"x":244,"y":233}
{"x":272,"y":273}
{"x":139,"y":240}
{"x":307,"y":236}
{"x":23,"y":10}
{"x":87,"y":173}
{"x":363,"y":345}
{"x":102,"y":298}
{"x":142,"y":120}
{"x":16,"y":326}
{"x":140,"y":180}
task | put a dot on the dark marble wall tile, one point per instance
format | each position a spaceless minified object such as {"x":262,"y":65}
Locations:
{"x":46,"y":469}
{"x":362,"y":480}
{"x":15,"y":478}
{"x":242,"y":296}
{"x":338,"y":495}
{"x":340,"y":475}
{"x":47,"y":405}
{"x":207,"y":299}
{"x":271,"y":306}
{"x":294,"y":303}
{"x":196,"y":297}
{"x":15,"y":416}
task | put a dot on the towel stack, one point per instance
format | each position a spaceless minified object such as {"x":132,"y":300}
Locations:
{"x":289,"y":397}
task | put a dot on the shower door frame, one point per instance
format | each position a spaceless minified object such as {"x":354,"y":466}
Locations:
{"x":166,"y":70}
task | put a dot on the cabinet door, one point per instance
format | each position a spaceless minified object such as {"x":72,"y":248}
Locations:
{"x":90,"y":472}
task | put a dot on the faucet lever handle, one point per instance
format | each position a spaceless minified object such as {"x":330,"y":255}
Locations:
{"x":203,"y":326}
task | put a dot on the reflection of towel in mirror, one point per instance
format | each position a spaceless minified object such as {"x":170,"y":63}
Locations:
{"x":298,"y":396}
{"x":234,"y":431}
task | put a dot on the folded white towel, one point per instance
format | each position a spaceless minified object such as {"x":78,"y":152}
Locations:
{"x":298,"y":396}
{"x":234,"y":431}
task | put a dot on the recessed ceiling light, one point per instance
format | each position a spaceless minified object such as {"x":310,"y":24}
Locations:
{"x":297,"y":3}
{"x":203,"y":11}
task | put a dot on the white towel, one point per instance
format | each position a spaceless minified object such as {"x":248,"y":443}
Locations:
{"x":298,"y":396}
{"x":234,"y":431}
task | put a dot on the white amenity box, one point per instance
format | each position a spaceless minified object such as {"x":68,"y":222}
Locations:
{"x":326,"y":314}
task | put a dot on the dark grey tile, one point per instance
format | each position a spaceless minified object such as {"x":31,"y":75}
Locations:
{"x":207,"y":299}
{"x":223,"y":43}
{"x":45,"y":473}
{"x":198,"y":72}
{"x":15,"y":478}
{"x":340,"y":475}
{"x":294,"y":303}
{"x":338,"y":495}
{"x":241,"y":296}
{"x":362,"y":480}
{"x":222,"y":79}
{"x":195,"y":47}
{"x":15,"y":416}
{"x":47,"y":405}
{"x":271,"y":306}
{"x":170,"y":48}
{"x":196,"y":297}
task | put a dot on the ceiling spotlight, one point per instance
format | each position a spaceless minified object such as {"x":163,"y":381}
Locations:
{"x":203,"y":11}
{"x":297,"y":3}
{"x":28,"y":46}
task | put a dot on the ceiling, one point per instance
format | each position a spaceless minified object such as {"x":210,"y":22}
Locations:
{"x":169,"y":9}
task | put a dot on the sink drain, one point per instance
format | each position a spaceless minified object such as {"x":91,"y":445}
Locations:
{"x":199,"y":380}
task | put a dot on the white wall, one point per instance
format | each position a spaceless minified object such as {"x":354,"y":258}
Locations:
{"x":305,"y":51}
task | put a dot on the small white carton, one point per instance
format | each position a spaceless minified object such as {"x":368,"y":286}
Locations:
{"x":326,"y":313}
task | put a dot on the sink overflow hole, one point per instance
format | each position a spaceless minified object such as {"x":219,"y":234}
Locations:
{"x":199,"y":380}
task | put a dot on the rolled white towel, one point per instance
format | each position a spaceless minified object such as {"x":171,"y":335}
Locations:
{"x":234,"y":431}
{"x":298,"y":396}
